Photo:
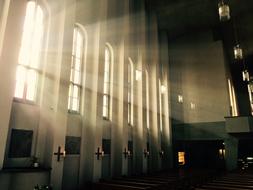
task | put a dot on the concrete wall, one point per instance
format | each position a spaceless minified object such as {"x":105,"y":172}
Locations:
{"x":197,"y":72}
{"x":23,"y":180}
{"x":4,"y":9}
{"x":25,"y":117}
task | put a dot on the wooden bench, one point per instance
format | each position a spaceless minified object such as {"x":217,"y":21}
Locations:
{"x":233,"y":182}
{"x":230,"y":181}
{"x":217,"y":187}
{"x":230,"y":185}
{"x":133,"y":183}
{"x":157,"y":181}
{"x":109,"y":186}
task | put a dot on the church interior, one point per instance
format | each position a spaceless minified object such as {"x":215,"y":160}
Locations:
{"x":130,"y":94}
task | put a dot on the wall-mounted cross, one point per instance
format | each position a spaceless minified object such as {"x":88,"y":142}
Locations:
{"x":126,"y":153}
{"x":99,"y":153}
{"x":146,"y":153}
{"x":59,"y":154}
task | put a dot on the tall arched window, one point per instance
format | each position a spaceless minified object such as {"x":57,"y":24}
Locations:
{"x":147,"y":98}
{"x":160,"y":104}
{"x":233,"y":104}
{"x":75,"y":86}
{"x":27,"y":73}
{"x":130,"y":80}
{"x":107,"y":84}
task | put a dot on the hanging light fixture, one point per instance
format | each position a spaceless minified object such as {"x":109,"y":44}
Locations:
{"x":245,"y":75}
{"x":224,"y":11}
{"x":163,"y":89}
{"x":138,"y":75}
{"x":238,"y":52}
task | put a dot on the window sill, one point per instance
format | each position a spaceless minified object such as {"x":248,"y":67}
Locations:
{"x":24,"y":169}
{"x":74,"y":112}
{"x":22,"y":101}
{"x":106,"y":119}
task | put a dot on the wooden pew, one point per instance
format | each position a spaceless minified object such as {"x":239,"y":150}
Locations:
{"x":109,"y":186}
{"x":137,"y":182}
{"x":133,"y":183}
{"x":238,"y":185}
{"x":217,"y":187}
{"x":232,"y":181}
{"x":158,"y":183}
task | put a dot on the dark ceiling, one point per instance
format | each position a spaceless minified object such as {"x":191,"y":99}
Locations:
{"x":181,"y":16}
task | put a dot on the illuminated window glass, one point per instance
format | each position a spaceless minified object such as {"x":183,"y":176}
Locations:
{"x":222,"y":153}
{"x":250,"y":91}
{"x":147,"y":98}
{"x":107,"y":77}
{"x":180,"y":98}
{"x":130,"y":92}
{"x":160,"y":105}
{"x":233,"y":104}
{"x":75,"y":86}
{"x":29,"y":55}
{"x":181,"y":158}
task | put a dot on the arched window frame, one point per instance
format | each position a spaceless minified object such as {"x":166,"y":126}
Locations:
{"x":29,"y":60}
{"x":76,"y":72}
{"x":160,"y":104}
{"x":147,"y":98}
{"x":108,"y":63}
{"x":130,"y":81}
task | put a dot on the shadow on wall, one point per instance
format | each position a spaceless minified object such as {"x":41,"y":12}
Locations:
{"x":198,"y":131}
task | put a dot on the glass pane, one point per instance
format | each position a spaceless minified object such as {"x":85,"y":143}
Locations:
{"x":19,"y":90}
{"x":107,"y":66}
{"x":106,"y":83}
{"x":105,"y":112}
{"x":70,"y":89}
{"x":147,"y":98}
{"x":129,"y":72}
{"x":106,"y":88}
{"x":37,"y":37}
{"x":76,"y":77}
{"x":25,"y":52}
{"x":75,"y":104}
{"x":106,"y":77}
{"x":29,"y":53}
{"x":76,"y":92}
{"x":32,"y":79}
{"x":79,"y":42}
{"x":105,"y":100}
{"x":77,"y":64}
{"x":20,"y":73}
{"x":72,"y":75}
{"x":20,"y":81}
{"x":79,"y":39}
{"x":107,"y":55}
{"x":74,"y":42}
{"x":78,"y":52}
{"x":128,"y":113}
{"x":69,"y":103}
{"x":70,"y":96}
